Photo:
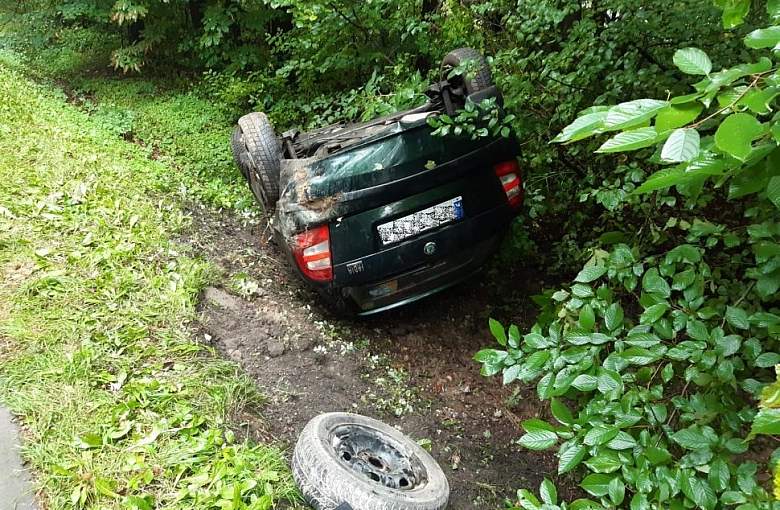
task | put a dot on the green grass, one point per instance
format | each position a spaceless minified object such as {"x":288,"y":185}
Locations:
{"x":181,"y":119}
{"x":122,"y":409}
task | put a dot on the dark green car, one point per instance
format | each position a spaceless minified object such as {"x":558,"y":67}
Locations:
{"x":383,"y":213}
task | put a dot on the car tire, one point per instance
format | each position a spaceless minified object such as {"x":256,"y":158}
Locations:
{"x":240,"y":154}
{"x":347,"y":458}
{"x":264,"y":155}
{"x":477,"y":81}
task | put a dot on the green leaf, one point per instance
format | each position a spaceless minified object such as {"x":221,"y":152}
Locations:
{"x":692,"y":61}
{"x":599,"y":435}
{"x":698,"y":491}
{"x":597,"y":484}
{"x":677,"y":115}
{"x":638,"y":356}
{"x":683,"y":279}
{"x":539,"y":440}
{"x":609,"y":381}
{"x":514,"y":337}
{"x":622,"y":441}
{"x":768,"y":284}
{"x":587,"y":318}
{"x":773,"y":190}
{"x":653,"y":313}
{"x":707,"y":163}
{"x":616,"y":490}
{"x":697,"y":330}
{"x":664,"y":178}
{"x":632,"y":113}
{"x":511,"y":374}
{"x":527,"y":500}
{"x":571,"y":458}
{"x":735,"y":135}
{"x":585,"y":382}
{"x":767,"y":421}
{"x":773,"y":8}
{"x":727,"y":345}
{"x":606,"y":462}
{"x":691,"y":438}
{"x":763,"y":38}
{"x":590,"y":273}
{"x":536,"y":425}
{"x":582,"y":127}
{"x":498,"y":331}
{"x":492,"y":356}
{"x":642,"y":339}
{"x":545,"y":386}
{"x":581,"y":290}
{"x":613,"y":317}
{"x":719,"y":475}
{"x":657,"y":455}
{"x":90,"y":440}
{"x":734,"y":12}
{"x":548,"y":493}
{"x":767,"y":360}
{"x":758,"y":101}
{"x":560,"y":412}
{"x":682,"y":145}
{"x":668,"y":372}
{"x":654,"y":283}
{"x":737,"y":317}
{"x":630,"y":140}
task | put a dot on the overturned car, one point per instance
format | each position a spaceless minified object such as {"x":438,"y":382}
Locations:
{"x":382,"y":213}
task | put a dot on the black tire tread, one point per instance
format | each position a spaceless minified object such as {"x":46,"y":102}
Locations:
{"x":239,"y":150}
{"x":482,"y":78}
{"x":265,"y":151}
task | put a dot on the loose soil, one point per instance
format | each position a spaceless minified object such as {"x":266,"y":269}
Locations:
{"x":411,"y":367}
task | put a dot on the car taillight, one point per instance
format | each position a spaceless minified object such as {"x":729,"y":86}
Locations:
{"x":312,"y":253}
{"x":509,"y":174}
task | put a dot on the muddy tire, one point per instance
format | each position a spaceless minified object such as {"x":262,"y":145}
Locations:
{"x":478,"y":78}
{"x":348,"y":458}
{"x":264,"y":155}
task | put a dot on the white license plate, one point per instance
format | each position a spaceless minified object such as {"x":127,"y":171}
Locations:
{"x":421,"y":221}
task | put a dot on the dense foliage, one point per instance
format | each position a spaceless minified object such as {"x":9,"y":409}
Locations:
{"x":654,"y":357}
{"x":311,"y":62}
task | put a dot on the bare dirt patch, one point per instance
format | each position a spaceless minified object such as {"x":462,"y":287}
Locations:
{"x":411,"y":368}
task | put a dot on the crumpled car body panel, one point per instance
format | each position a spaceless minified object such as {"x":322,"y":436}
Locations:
{"x":317,"y":190}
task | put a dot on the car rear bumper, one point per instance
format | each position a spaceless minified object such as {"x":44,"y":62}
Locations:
{"x":464,"y":248}
{"x":421,"y":282}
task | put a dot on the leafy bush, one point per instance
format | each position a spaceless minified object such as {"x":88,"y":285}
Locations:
{"x":653,"y":357}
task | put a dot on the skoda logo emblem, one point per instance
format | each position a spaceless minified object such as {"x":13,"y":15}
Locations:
{"x":430,"y":248}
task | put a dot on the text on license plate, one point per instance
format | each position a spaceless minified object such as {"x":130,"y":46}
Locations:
{"x":416,"y":223}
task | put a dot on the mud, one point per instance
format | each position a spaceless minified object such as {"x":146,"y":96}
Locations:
{"x":411,"y":367}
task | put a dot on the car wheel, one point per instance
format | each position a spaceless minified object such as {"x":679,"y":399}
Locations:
{"x":348,"y":458}
{"x":240,"y":154}
{"x":264,"y":155}
{"x":478,"y":78}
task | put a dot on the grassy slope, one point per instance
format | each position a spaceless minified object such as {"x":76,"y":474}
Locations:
{"x":122,"y":409}
{"x":183,"y":121}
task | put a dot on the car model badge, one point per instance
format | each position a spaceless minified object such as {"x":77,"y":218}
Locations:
{"x":429,"y":248}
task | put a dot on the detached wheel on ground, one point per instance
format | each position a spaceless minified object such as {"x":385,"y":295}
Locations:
{"x":348,"y":458}
{"x":263,"y":156}
{"x":476,"y":77}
